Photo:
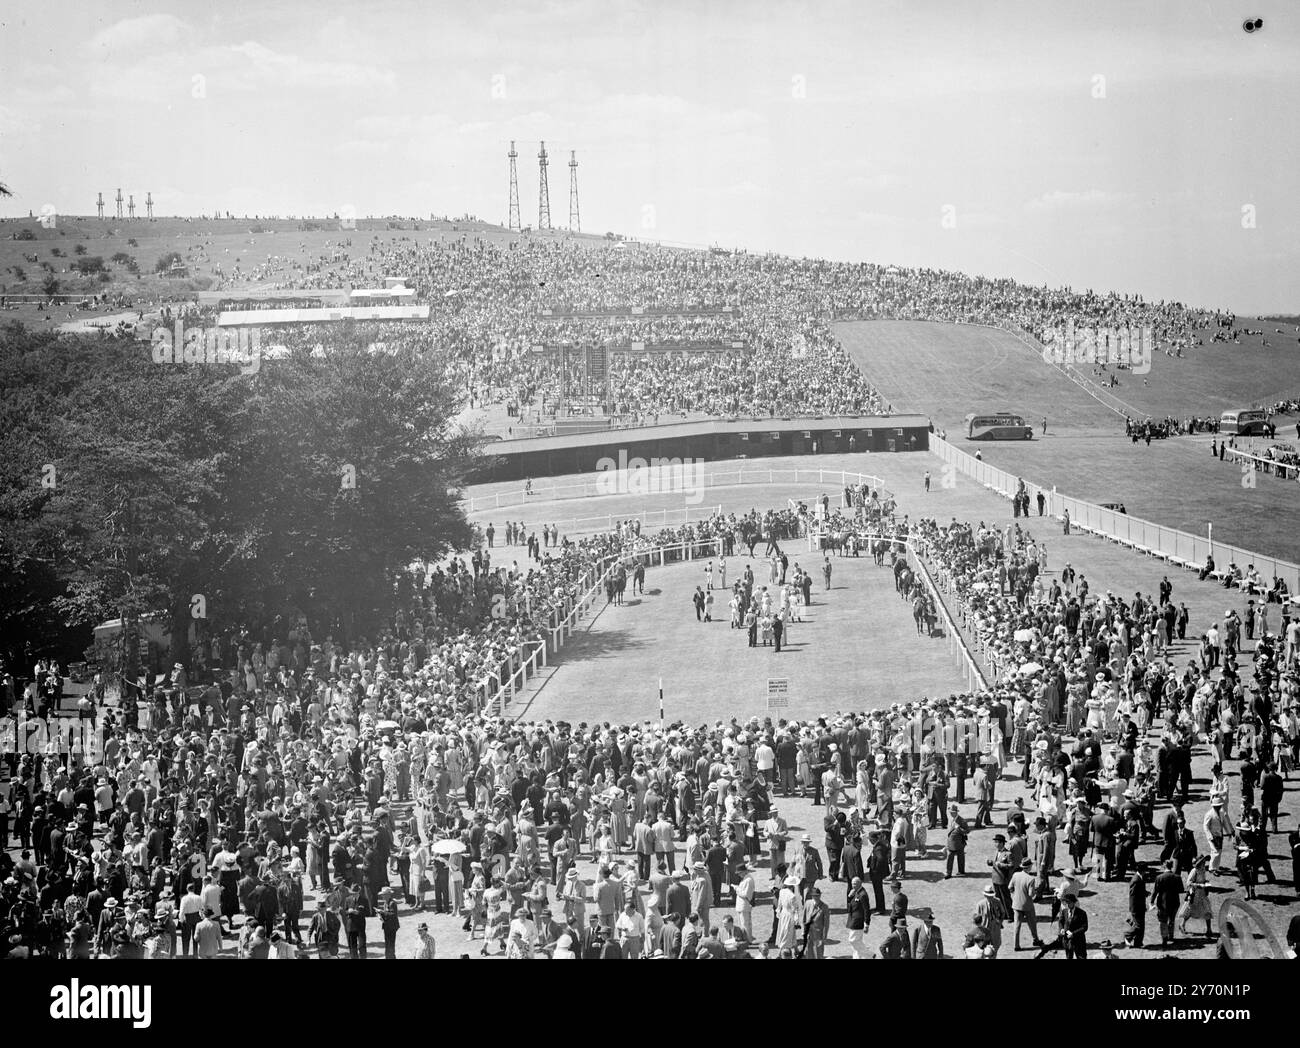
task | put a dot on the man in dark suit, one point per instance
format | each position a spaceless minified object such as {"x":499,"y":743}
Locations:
{"x":1073,"y":923}
{"x":1171,"y":830}
{"x":956,"y":846}
{"x":878,"y":867}
{"x":927,"y":939}
{"x":670,"y":937}
{"x":592,"y":940}
{"x":265,"y":904}
{"x":835,"y":832}
{"x":851,"y":867}
{"x":778,"y":631}
{"x":248,"y":884}
{"x":1104,"y":826}
{"x":1137,"y":911}
{"x":678,"y":897}
{"x":858,"y":917}
{"x":1167,"y":894}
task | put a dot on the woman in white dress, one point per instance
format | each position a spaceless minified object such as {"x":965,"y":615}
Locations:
{"x":419,"y":854}
{"x":1096,"y":706}
{"x":454,"y":760}
{"x":787,"y":915}
{"x":862,"y":795}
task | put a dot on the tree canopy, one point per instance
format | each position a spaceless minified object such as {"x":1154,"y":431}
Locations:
{"x":129,"y":486}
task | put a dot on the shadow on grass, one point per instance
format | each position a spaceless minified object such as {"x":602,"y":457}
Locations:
{"x":924,"y":876}
{"x":595,"y":645}
{"x":1277,"y":900}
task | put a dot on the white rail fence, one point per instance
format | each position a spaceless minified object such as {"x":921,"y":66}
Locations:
{"x":621,"y":482}
{"x":957,"y":648}
{"x":1177,"y":547}
{"x":1282,"y":470}
{"x":496,"y":693}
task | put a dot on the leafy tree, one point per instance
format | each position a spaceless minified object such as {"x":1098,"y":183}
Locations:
{"x":89,"y":265}
{"x":166,"y":261}
{"x":177,"y":480}
{"x":50,"y":285}
{"x":78,"y":249}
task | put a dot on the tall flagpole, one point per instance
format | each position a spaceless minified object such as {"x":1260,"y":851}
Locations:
{"x":661,"y":704}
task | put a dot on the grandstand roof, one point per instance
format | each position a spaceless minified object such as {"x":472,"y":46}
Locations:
{"x":322,"y":315}
{"x":605,"y":437}
{"x":382,"y":292}
{"x":216,"y":298}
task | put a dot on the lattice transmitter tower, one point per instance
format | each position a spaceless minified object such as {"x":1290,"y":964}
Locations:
{"x":148,"y":206}
{"x":119,"y":203}
{"x":99,"y":205}
{"x":543,"y":194}
{"x":575,"y":220}
{"x":515,"y":225}
{"x":130,"y":206}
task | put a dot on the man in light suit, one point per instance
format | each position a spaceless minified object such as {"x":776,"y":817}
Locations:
{"x":701,"y":892}
{"x":660,"y":881}
{"x":745,"y":888}
{"x":1023,"y":888}
{"x":816,"y":923}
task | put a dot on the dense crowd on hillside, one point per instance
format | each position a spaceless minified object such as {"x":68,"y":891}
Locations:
{"x":494,"y":305}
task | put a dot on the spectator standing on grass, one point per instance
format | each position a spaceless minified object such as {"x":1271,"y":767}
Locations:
{"x":1024,"y":888}
{"x":1137,"y":911}
{"x":1167,"y":893}
{"x":989,"y":917}
{"x":1073,"y":925}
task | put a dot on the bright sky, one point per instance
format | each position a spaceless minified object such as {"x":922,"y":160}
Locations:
{"x":1101,"y":144}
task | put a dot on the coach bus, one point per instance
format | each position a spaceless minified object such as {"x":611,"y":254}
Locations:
{"x":1002,"y":426}
{"x":1248,"y":422}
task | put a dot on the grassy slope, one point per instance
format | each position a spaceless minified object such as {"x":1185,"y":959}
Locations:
{"x":947,"y":370}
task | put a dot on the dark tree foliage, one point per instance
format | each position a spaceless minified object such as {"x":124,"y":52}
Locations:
{"x":129,"y":486}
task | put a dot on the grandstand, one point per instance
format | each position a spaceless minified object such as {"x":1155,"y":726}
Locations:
{"x":272,"y":298}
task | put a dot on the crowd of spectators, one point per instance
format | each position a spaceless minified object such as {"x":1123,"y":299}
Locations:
{"x":206,"y":813}
{"x":754,"y":330}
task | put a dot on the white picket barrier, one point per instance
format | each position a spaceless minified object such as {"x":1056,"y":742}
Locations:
{"x":616,"y":484}
{"x":1177,"y":547}
{"x":531,"y":664}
